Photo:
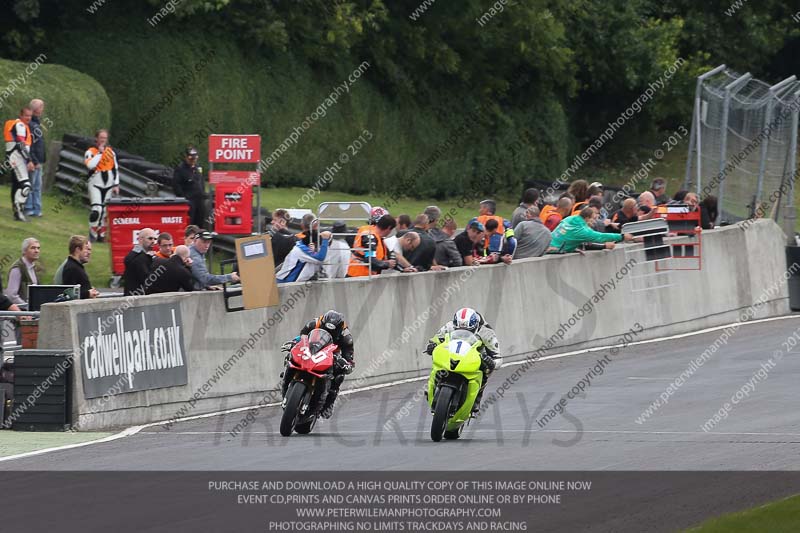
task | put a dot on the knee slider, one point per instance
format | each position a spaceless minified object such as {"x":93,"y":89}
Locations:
{"x":94,"y":216}
{"x":21,"y":194}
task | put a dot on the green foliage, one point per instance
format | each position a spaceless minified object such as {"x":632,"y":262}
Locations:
{"x":550,"y":74}
{"x":219,"y":88}
{"x":75,"y":102}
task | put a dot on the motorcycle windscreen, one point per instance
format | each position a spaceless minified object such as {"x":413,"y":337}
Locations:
{"x":318,"y":339}
{"x":467,"y":337}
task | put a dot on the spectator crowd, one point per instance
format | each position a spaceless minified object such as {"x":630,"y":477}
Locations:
{"x":577,"y":220}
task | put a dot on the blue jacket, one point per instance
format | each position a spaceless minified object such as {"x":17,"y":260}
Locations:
{"x":301,"y":264}
{"x":37,"y":141}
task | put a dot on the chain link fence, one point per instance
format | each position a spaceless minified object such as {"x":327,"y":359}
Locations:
{"x":743,"y":144}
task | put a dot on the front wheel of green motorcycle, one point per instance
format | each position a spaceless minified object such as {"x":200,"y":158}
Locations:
{"x":441,"y":413}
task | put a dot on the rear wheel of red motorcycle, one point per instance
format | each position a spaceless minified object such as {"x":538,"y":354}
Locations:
{"x":294,"y":398}
{"x":306,"y":427}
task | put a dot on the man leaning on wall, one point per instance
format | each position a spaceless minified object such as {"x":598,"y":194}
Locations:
{"x":24,"y":271}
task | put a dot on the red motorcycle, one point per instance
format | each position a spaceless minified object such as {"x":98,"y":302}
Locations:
{"x":310,"y":372}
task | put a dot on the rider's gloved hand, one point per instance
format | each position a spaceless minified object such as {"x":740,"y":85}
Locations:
{"x":288,"y":345}
{"x":488,"y":362}
{"x":430,"y":347}
{"x":343,"y":366}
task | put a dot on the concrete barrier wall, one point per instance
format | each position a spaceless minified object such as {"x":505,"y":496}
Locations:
{"x":392,"y":317}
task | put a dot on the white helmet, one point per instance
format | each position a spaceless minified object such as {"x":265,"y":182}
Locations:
{"x":466,"y":318}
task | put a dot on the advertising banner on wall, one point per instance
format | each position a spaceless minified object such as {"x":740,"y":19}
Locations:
{"x":131,"y":350}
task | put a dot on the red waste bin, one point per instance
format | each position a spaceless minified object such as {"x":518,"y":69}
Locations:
{"x":233,"y":208}
{"x":126,"y":216}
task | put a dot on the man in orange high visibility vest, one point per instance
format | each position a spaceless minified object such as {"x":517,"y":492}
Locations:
{"x":101,"y":161}
{"x":368,"y":244}
{"x":18,"y":139}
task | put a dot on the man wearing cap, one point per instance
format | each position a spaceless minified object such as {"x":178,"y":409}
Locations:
{"x":469,"y":241}
{"x":203,"y":279}
{"x":187,"y":182}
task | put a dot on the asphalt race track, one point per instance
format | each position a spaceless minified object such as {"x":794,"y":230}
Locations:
{"x":760,"y":433}
{"x":598,"y":433}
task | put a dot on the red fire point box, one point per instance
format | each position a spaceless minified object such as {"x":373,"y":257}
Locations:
{"x":126,"y":216}
{"x":233,"y":211}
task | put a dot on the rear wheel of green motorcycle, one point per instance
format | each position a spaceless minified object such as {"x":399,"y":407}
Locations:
{"x":454,"y":434}
{"x":441,"y":413}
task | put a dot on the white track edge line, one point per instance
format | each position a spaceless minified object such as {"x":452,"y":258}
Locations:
{"x":122,"y":434}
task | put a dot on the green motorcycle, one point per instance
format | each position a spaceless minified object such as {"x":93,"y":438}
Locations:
{"x":455,"y":380}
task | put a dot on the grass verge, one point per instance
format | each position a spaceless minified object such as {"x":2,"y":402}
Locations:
{"x":776,"y":517}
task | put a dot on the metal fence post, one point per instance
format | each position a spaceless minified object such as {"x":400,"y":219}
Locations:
{"x":737,"y":84}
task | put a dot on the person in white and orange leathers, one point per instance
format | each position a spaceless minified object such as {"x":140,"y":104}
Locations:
{"x":101,"y":161}
{"x":18,"y":140}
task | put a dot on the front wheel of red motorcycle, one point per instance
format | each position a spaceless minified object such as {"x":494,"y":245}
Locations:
{"x":294,"y":399}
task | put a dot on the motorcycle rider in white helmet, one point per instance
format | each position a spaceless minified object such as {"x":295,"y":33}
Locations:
{"x":472,"y":321}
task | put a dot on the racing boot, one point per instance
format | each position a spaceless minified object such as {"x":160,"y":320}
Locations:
{"x":476,"y":407}
{"x":285,"y":383}
{"x":327,"y":409}
{"x":19,"y":212}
